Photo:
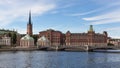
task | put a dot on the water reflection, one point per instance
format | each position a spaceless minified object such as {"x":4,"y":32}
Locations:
{"x":104,"y":60}
{"x":42,"y":59}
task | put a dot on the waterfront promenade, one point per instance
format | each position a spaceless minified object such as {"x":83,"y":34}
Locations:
{"x":61,"y":48}
{"x":78,"y":48}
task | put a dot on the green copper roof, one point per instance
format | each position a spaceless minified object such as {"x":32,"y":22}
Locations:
{"x":43,"y":38}
{"x":27,"y":37}
{"x":91,"y":28}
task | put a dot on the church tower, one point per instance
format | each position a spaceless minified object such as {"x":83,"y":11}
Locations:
{"x":29,"y":25}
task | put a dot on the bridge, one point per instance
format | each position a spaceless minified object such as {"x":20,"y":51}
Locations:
{"x":77,"y":47}
{"x":103,"y":47}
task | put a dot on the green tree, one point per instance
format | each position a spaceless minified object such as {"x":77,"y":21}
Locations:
{"x":110,"y":44}
{"x":35,"y":38}
{"x":9,"y":34}
{"x":14,"y":37}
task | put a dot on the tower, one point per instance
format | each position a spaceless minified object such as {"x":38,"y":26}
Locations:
{"x":91,"y":28}
{"x":91,"y":35}
{"x":29,"y":25}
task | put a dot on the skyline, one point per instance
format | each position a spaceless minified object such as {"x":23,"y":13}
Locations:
{"x":72,"y":15}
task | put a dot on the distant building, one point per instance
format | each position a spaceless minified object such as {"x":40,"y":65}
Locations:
{"x":91,"y":38}
{"x":5,"y":40}
{"x":19,"y":36}
{"x":7,"y":37}
{"x":43,"y":41}
{"x":115,"y":42}
{"x":27,"y":41}
{"x":75,"y":39}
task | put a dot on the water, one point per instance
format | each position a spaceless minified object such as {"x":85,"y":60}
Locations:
{"x":44,"y":59}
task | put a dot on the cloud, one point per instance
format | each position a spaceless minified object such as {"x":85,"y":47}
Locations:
{"x":113,"y":29}
{"x":86,"y":13}
{"x":103,"y":8}
{"x":110,"y":17}
{"x":12,"y":9}
{"x":113,"y":32}
{"x":111,"y":14}
{"x":54,"y":12}
{"x":116,"y":20}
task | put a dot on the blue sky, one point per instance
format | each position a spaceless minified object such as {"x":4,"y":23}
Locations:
{"x":62,"y":15}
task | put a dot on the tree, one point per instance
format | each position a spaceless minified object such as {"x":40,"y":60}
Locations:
{"x":9,"y":34}
{"x":110,"y":44}
{"x":35,"y":38}
{"x":14,"y":37}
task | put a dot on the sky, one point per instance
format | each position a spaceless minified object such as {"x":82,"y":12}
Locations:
{"x":62,"y":15}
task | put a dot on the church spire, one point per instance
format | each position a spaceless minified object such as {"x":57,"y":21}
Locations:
{"x":29,"y":22}
{"x":29,"y":25}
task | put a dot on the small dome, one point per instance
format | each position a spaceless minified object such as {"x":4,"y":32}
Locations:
{"x":43,"y":38}
{"x":27,"y":37}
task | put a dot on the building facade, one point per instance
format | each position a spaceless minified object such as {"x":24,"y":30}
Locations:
{"x":75,"y":39}
{"x":26,"y":41}
{"x":43,"y":41}
{"x":5,"y":41}
{"x":55,"y":37}
{"x":115,"y":42}
{"x":90,"y":38}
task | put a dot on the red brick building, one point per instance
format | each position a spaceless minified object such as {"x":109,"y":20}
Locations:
{"x":89,"y":38}
{"x":55,"y":37}
{"x":75,"y":39}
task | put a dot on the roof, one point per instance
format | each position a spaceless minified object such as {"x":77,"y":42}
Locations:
{"x":43,"y":38}
{"x":27,"y":37}
{"x":91,"y":28}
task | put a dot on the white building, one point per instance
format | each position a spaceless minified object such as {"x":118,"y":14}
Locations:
{"x":26,"y":41}
{"x":43,"y":41}
{"x":5,"y":41}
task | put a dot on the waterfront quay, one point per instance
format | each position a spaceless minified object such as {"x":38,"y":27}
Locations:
{"x":78,"y":48}
{"x":84,"y":48}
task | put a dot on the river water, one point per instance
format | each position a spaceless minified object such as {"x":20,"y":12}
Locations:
{"x":50,"y":59}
